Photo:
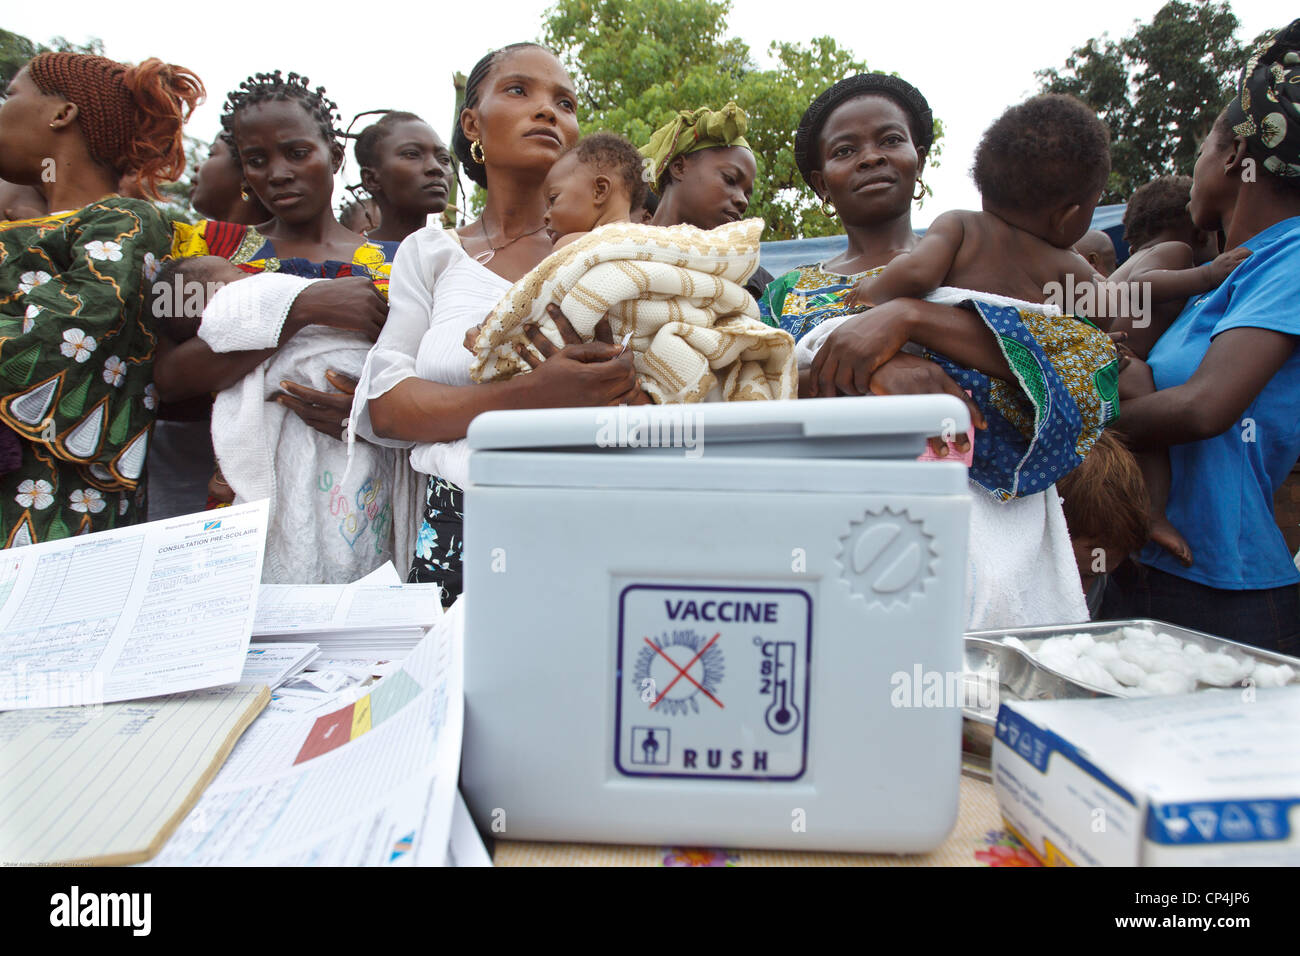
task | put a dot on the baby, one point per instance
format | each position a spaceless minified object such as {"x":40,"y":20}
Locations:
{"x":1171,"y":261}
{"x":335,"y":515}
{"x":597,"y":182}
{"x":1040,"y":168}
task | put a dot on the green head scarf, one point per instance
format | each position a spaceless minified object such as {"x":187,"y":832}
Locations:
{"x":1266,"y":109}
{"x":692,"y":130}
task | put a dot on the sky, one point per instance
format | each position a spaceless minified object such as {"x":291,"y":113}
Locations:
{"x":971,"y":60}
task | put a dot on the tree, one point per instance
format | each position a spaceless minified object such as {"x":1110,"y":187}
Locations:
{"x":1159,"y":89}
{"x":637,"y":62}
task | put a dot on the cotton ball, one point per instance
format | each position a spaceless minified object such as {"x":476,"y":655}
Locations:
{"x":1266,"y":675}
{"x":1103,"y":652}
{"x":1091,"y":672}
{"x":1145,"y":656}
{"x":1060,"y":661}
{"x":1059,"y":645}
{"x":1193,"y":650}
{"x":1167,"y":683}
{"x":1082,"y":643}
{"x":1171,"y":660}
{"x":1136,"y":645}
{"x":1220,"y":669}
{"x":1137,"y":634}
{"x":1169,"y":642}
{"x":1124,"y":671}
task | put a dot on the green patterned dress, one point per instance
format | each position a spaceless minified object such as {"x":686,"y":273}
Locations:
{"x":76,"y":367}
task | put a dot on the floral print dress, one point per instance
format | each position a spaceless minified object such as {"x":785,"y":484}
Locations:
{"x":77,"y":345}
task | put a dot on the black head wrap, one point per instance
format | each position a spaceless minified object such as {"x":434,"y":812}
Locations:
{"x":814,"y":118}
{"x":1266,"y":109}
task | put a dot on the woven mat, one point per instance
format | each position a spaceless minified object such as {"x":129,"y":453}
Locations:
{"x":978,"y":839}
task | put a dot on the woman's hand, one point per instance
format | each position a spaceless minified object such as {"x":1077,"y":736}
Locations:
{"x":351,"y":303}
{"x":913,"y":375}
{"x":851,"y":354}
{"x":582,"y":373}
{"x":327,"y":412}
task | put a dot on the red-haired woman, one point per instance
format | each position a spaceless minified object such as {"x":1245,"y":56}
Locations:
{"x":76,"y":341}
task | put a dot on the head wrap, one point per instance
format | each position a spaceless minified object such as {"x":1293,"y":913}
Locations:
{"x":690,"y":131}
{"x":1266,"y":109}
{"x":106,"y":108}
{"x":882,"y":84}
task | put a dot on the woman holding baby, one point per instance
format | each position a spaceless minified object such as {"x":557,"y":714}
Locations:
{"x":862,"y":147}
{"x":520,"y":115}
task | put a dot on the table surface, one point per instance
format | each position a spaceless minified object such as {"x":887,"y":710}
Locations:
{"x":979,"y":839}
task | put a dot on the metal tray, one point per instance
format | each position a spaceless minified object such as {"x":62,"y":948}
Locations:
{"x":995,"y":671}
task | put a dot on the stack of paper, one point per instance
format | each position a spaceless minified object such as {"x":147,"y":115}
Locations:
{"x":370,"y":783}
{"x":360,"y":620}
{"x":273,"y":664}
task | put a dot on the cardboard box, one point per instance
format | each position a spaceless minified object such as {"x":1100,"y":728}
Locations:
{"x":1211,"y":778}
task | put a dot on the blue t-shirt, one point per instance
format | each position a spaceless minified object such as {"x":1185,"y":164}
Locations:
{"x":1221,"y":498}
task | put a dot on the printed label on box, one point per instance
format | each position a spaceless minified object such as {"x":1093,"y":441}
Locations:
{"x":712,"y":682}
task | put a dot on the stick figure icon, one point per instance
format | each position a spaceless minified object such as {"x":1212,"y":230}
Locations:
{"x":651,"y":746}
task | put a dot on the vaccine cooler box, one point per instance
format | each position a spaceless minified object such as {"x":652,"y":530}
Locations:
{"x":693,"y":624}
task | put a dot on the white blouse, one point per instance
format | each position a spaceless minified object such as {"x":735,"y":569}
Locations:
{"x":436,"y":293}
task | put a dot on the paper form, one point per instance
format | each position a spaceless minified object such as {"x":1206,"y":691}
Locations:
{"x":273,"y":664}
{"x":111,"y":782}
{"x":371,"y":783}
{"x":135,"y":612}
{"x":340,"y":608}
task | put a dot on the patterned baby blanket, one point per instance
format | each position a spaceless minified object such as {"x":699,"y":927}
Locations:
{"x":678,"y":290}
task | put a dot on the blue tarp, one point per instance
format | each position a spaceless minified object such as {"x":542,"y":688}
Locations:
{"x":780,"y":257}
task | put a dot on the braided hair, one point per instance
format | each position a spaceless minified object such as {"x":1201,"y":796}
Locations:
{"x":366,"y":148}
{"x":459,"y":143}
{"x":131,"y":116}
{"x":270,"y":87}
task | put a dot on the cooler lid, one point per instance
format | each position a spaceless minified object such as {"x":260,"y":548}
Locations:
{"x":884,"y":427}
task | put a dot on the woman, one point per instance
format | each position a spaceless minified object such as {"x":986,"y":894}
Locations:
{"x":703,"y":169}
{"x":76,"y":339}
{"x":332,"y":524}
{"x":519,"y":116}
{"x":289,"y":152}
{"x":861,"y":146}
{"x":406,"y":169}
{"x":1228,"y":380}
{"x":220,"y":192}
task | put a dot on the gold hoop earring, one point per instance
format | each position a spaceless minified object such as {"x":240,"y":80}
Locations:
{"x":828,"y":209}
{"x":920,"y":190}
{"x":476,"y":152}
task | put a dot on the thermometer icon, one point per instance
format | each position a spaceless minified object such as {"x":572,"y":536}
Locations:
{"x":782,"y":715}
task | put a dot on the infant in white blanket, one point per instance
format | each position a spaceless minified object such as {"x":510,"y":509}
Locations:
{"x":334,"y":517}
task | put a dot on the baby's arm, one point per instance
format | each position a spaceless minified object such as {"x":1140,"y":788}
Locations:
{"x":1178,"y":285}
{"x":915,"y":274}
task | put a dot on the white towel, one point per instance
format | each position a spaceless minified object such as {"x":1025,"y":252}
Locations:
{"x":325,"y":528}
{"x":1021,"y":570}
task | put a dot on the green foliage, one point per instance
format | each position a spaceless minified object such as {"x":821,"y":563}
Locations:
{"x":637,"y":62}
{"x":16,"y":50}
{"x":1158,"y":89}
